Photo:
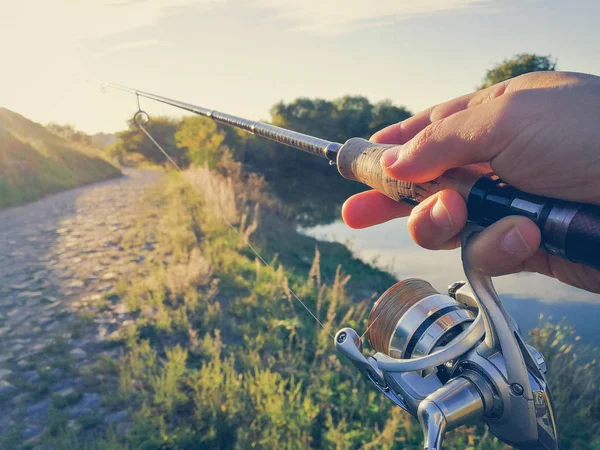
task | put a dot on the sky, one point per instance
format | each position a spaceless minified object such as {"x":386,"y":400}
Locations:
{"x":243,"y":56}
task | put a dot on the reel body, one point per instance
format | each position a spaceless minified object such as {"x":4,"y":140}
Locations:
{"x":454,"y":359}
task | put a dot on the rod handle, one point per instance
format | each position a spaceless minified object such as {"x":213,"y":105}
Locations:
{"x":359,"y":160}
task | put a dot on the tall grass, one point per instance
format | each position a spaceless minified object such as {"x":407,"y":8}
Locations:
{"x":221,"y":356}
{"x":573,"y":375}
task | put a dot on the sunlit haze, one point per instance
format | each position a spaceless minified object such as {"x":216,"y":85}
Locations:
{"x":243,"y":56}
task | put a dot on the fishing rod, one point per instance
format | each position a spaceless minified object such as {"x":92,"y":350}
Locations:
{"x":570,"y":230}
{"x":447,"y":359}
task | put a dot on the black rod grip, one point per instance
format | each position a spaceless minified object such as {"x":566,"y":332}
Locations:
{"x":582,"y":242}
{"x":570,"y":230}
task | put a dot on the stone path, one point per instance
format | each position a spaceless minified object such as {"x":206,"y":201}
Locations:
{"x":59,"y":260}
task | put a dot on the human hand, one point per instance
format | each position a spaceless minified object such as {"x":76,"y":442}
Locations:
{"x":539,"y":132}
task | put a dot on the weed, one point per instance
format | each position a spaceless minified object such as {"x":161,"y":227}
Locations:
{"x":82,"y":322}
{"x":62,"y":401}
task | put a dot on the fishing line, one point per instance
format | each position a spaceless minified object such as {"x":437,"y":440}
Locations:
{"x":368,"y":328}
{"x":159,"y":147}
{"x":411,"y":291}
{"x":140,"y":119}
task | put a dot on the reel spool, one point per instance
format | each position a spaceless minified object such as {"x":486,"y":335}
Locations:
{"x":453,"y":359}
{"x":413,"y":319}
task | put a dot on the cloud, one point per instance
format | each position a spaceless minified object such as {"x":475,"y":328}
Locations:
{"x":71,"y":22}
{"x":49,"y":45}
{"x":343,"y":16}
{"x":51,"y":31}
{"x":132,"y":45}
{"x":53,"y":37}
{"x":51,"y":34}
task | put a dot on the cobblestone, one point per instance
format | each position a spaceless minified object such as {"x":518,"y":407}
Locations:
{"x":58,"y":258}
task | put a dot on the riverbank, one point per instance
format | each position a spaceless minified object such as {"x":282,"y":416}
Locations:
{"x":527,"y":296}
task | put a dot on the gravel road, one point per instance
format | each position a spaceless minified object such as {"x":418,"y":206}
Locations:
{"x":60,"y":256}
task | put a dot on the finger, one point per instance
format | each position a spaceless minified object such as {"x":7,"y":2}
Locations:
{"x":436,"y":221}
{"x":540,"y":263}
{"x":505,"y":247}
{"x":402,"y":132}
{"x":371,"y":208}
{"x":577,"y":275}
{"x":471,"y":136}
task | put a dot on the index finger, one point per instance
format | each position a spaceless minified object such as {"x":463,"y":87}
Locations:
{"x":402,"y":132}
{"x":472,"y":136}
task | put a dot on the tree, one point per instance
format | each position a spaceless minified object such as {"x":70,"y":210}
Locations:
{"x":133,"y":140}
{"x":70,"y":133}
{"x":202,"y":140}
{"x":385,"y":114}
{"x":287,"y":170}
{"x":354,"y":115}
{"x":305,"y":115}
{"x":515,"y":66}
{"x":103,"y":140}
{"x":337,"y":120}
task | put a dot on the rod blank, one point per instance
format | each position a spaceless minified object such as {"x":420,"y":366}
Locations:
{"x":320,"y":147}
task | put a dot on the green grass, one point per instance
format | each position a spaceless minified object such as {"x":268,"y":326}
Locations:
{"x":35,"y":162}
{"x":222,"y":357}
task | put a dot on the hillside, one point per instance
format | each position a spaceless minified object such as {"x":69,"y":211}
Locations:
{"x":35,"y":162}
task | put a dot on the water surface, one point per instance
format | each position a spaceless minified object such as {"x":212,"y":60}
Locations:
{"x":525,"y":295}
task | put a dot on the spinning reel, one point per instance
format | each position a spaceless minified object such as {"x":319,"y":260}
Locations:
{"x":453,"y":359}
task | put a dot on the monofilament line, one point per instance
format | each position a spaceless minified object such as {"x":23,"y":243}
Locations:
{"x":160,"y":148}
{"x":235,"y":230}
{"x":369,"y":327}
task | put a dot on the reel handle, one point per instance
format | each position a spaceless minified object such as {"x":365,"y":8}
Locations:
{"x":570,"y":230}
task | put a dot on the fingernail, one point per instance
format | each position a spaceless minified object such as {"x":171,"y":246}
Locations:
{"x":514,"y":242}
{"x":440,"y":215}
{"x":389,"y":157}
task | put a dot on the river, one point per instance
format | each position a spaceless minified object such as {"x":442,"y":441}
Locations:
{"x":526,"y":295}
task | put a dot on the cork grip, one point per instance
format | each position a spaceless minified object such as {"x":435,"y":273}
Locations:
{"x":359,"y":160}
